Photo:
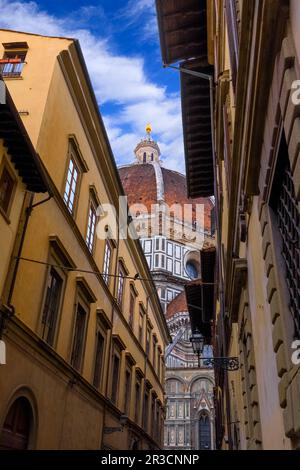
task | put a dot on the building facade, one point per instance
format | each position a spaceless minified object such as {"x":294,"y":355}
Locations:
{"x":85,"y":333}
{"x":157,"y":198}
{"x":249,"y":53}
{"x":20,"y":171}
{"x":190,"y":416}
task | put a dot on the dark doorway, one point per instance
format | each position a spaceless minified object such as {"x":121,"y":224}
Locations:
{"x":204,"y":432}
{"x":17,"y":426}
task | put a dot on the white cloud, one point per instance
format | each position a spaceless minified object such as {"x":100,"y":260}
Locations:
{"x":116,"y":78}
{"x":142,"y":13}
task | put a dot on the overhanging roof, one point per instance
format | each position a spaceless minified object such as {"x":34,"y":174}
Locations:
{"x":182,"y":29}
{"x":196,"y":120}
{"x":183,"y":37}
{"x":18,"y":144}
{"x":200,"y":295}
{"x":195,"y":299}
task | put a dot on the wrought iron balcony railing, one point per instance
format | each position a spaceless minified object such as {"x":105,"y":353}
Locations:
{"x":11,"y":67}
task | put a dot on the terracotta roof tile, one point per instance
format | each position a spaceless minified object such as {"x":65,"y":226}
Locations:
{"x":179,"y":304}
{"x":139,"y":184}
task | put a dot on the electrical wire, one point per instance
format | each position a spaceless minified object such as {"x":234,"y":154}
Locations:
{"x":136,"y":277}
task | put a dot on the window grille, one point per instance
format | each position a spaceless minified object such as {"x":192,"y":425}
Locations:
{"x":289,"y":227}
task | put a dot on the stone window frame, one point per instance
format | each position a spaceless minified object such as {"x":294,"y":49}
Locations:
{"x":14,"y":49}
{"x":74,"y":153}
{"x":139,"y":376}
{"x":133,"y":296}
{"x":128,"y":400}
{"x":141,"y":324}
{"x":94,"y":203}
{"x":103,"y":326}
{"x":107,"y":261}
{"x":118,"y":347}
{"x":84,"y":297}
{"x":60,"y":258}
{"x":121,"y":283}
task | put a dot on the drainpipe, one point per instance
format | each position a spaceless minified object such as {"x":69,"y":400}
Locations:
{"x":7,"y":309}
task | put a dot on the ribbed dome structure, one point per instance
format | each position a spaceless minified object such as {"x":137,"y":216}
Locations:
{"x":150,"y":183}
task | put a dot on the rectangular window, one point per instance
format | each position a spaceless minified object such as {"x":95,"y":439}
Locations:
{"x":115,"y":378}
{"x":91,"y":228}
{"x":121,"y":277}
{"x":169,"y":265}
{"x":51,"y":306}
{"x":79,"y":336}
{"x":145,"y":411}
{"x":153,"y":350}
{"x":7,"y":186}
{"x":12,"y":63}
{"x":153,"y":417}
{"x":158,"y":363}
{"x":98,"y":359}
{"x":107,"y":261}
{"x":137,"y":401}
{"x":148,"y":246}
{"x":127,"y":391}
{"x":149,"y":261}
{"x":285,"y":207}
{"x":148,"y":341}
{"x":71,"y":185}
{"x":141,"y":325}
{"x":131,"y":309}
{"x":157,"y":428}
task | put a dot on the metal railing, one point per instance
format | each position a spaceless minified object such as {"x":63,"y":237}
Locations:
{"x":11,"y":67}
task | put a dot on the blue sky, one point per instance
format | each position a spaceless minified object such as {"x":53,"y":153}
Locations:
{"x":120,"y":43}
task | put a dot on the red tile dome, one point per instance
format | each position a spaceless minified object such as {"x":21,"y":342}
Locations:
{"x":141,"y":185}
{"x":178,"y":305}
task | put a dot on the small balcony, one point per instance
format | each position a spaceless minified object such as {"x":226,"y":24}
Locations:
{"x":11,"y":67}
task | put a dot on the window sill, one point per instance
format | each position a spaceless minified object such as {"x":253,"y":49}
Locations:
{"x":6,"y":77}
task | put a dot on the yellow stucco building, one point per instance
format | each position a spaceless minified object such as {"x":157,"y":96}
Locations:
{"x":84,"y":336}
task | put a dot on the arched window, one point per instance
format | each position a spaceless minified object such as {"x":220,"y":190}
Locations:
{"x":204,"y":432}
{"x":191,"y":270}
{"x":152,"y":157}
{"x":17,"y":426}
{"x":144,"y":157}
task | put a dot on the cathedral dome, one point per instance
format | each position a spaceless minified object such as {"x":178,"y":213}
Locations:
{"x":146,"y":182}
{"x":178,"y":305}
{"x":150,"y":183}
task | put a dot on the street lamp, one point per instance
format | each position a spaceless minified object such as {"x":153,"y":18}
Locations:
{"x":197,"y":340}
{"x":227,"y":363}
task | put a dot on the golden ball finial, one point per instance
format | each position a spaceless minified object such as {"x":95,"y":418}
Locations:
{"x":148,"y":129}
